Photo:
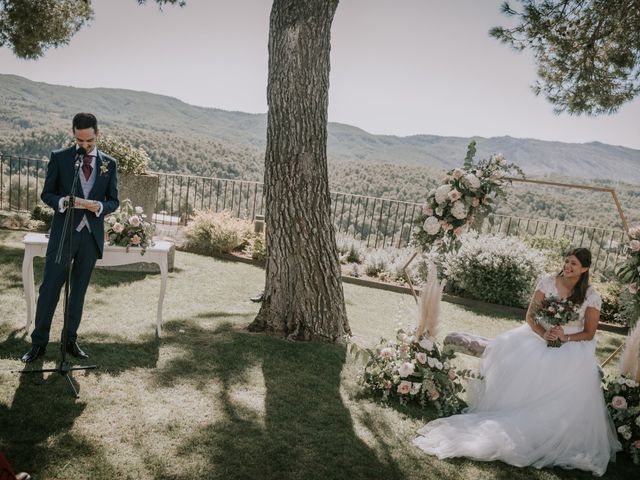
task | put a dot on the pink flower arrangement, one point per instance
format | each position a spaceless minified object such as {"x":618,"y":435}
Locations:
{"x":127,"y":227}
{"x":412,"y":369}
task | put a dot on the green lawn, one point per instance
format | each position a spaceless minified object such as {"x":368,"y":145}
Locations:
{"x":209,"y":400}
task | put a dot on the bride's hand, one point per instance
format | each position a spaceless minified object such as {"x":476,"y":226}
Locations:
{"x":550,"y":335}
{"x":559,"y":333}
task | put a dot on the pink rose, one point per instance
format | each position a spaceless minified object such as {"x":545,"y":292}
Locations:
{"x":136,"y":240}
{"x":636,"y":444}
{"x":452,"y":374}
{"x":475,"y":202}
{"x":404,"y":387}
{"x":446,"y":226}
{"x":406,"y":369}
{"x":421,"y":357}
{"x":428,"y":211}
{"x":634,"y":245}
{"x":135,"y":221}
{"x":435,"y":395}
{"x":458,"y":231}
{"x":633,"y":288}
{"x":454,"y":195}
{"x":118,"y":227}
{"x":386,"y":353}
{"x":618,"y":402}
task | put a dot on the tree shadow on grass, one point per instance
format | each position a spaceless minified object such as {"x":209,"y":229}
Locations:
{"x":305,"y":430}
{"x":41,"y":408}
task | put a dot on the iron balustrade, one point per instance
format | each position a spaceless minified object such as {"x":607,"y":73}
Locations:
{"x":376,"y":222}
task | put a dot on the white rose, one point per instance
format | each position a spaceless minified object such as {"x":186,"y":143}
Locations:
{"x":457,"y":173}
{"x":405,"y":369}
{"x":442,"y":193}
{"x":111,"y":220}
{"x":431,"y":362}
{"x":426,"y":344}
{"x":139,"y":210}
{"x":415,"y":388}
{"x":473,"y":181}
{"x":431,"y":225}
{"x":439,"y":211}
{"x":459,"y":210}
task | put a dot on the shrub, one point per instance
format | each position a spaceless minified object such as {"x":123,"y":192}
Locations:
{"x":210,"y":233}
{"x":42,"y":213}
{"x":555,"y":248}
{"x":494,"y":268}
{"x":350,"y":250}
{"x":257,"y":248}
{"x":131,"y":160}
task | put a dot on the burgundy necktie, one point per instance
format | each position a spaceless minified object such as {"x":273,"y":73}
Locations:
{"x":86,"y":166}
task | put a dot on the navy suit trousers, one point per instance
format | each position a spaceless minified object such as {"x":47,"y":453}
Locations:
{"x":84,"y":254}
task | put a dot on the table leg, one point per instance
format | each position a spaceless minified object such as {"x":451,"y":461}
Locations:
{"x":164,"y":271}
{"x":29,"y":287}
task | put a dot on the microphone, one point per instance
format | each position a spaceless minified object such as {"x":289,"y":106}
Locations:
{"x":80,"y":153}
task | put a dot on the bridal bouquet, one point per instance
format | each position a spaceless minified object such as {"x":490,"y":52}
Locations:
{"x":554,"y":311}
{"x":464,"y":198}
{"x":127,"y":227}
{"x":412,"y":369}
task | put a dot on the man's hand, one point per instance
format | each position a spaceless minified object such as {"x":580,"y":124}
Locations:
{"x":92,"y":205}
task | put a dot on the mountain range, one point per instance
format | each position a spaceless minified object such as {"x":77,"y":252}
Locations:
{"x":32,"y":112}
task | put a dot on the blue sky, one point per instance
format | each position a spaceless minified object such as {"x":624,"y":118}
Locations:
{"x":399,"y":67}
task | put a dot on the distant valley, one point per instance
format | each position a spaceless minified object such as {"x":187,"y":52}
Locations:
{"x":35,"y":117}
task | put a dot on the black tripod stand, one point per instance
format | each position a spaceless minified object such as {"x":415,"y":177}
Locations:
{"x":63,"y":366}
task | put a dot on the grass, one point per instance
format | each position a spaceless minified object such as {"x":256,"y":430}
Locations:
{"x":210,"y":400}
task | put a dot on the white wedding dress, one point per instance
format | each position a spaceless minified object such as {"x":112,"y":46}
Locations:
{"x":537,"y":406}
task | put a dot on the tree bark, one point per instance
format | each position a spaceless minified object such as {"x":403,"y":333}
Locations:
{"x":303,"y":292}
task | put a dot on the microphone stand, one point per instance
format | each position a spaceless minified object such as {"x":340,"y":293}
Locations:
{"x":63,"y":367}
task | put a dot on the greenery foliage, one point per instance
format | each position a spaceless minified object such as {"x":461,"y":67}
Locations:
{"x":494,"y":268}
{"x":588,"y":53}
{"x":130,"y":160}
{"x":42,"y":213}
{"x":30,"y":27}
{"x":211,"y":233}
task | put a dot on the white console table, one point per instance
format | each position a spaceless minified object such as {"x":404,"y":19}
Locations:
{"x":35,"y":245}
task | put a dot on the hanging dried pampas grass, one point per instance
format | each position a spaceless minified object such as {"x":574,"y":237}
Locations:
{"x":430,"y":305}
{"x":630,"y":360}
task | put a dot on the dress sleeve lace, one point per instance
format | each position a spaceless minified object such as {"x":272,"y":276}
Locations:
{"x":593,"y":299}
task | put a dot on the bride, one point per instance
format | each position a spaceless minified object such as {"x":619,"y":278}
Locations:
{"x":537,"y":405}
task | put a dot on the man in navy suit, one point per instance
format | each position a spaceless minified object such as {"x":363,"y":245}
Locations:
{"x":96,"y":196}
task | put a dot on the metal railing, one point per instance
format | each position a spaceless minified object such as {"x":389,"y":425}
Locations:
{"x":377,"y":222}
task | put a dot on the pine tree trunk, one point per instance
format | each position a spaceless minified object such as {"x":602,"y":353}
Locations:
{"x":303,"y":292}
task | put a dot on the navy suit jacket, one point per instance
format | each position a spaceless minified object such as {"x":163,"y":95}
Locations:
{"x":58,"y":183}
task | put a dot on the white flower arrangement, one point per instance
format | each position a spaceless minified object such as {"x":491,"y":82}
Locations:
{"x":466,"y":195}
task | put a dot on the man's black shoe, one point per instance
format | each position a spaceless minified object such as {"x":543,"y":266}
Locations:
{"x":74,"y":349}
{"x":33,"y":354}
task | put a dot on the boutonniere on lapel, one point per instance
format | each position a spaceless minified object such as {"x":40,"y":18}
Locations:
{"x":104,"y":167}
